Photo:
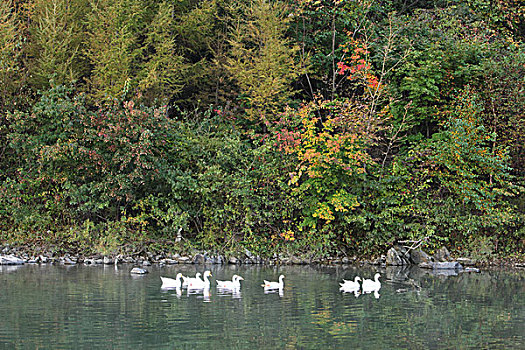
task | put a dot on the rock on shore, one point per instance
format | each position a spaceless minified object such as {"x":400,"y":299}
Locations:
{"x":10,"y":260}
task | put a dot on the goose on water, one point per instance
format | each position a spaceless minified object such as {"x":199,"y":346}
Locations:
{"x":233,"y":284}
{"x":274,"y":285}
{"x":197,"y":283}
{"x":351,"y":285}
{"x":372,"y":285}
{"x":172,"y":283}
{"x":356,"y":292}
{"x":187,"y":280}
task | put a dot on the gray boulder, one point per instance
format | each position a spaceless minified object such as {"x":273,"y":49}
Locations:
{"x":219,"y":259}
{"x":199,"y":259}
{"x":129,"y":260}
{"x":417,"y":256}
{"x":249,"y":254}
{"x":442,"y":254}
{"x":441,"y":265}
{"x":68,"y":261}
{"x":10,"y":260}
{"x":297,"y":261}
{"x":466,"y":261}
{"x":395,"y":258}
{"x":184,"y":260}
{"x":138,"y":271}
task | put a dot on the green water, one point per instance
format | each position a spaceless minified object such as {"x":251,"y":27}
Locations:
{"x":97,"y":307}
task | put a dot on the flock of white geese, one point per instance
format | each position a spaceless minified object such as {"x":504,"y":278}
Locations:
{"x":367,"y":286}
{"x":196,"y":283}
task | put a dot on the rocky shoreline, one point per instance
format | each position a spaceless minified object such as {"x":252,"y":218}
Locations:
{"x":395,"y":256}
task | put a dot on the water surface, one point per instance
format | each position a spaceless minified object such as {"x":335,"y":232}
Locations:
{"x":101,"y":307}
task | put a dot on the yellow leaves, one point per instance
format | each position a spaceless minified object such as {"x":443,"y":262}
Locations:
{"x":343,"y":201}
{"x":288,"y":235}
{"x":324,"y":212}
{"x":332,"y":149}
{"x":294,"y":177}
{"x":330,"y":141}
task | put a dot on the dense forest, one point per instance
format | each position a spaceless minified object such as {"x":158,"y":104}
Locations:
{"x":295,"y":126}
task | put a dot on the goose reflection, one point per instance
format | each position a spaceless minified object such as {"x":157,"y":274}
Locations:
{"x":376,"y":294}
{"x":356,"y":292}
{"x":205,"y":292}
{"x":206,"y":295}
{"x":234,"y":292}
{"x":178,"y":291}
{"x":274,"y":291}
{"x":374,"y":291}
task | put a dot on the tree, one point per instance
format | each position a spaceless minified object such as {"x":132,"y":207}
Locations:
{"x":113,"y":46}
{"x":330,"y":143}
{"x":468,"y":169}
{"x":262,"y":60}
{"x":56,"y":39}
{"x":10,"y":55}
{"x":160,"y":76}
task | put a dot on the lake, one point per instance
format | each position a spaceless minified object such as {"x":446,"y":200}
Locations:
{"x":104,"y":307}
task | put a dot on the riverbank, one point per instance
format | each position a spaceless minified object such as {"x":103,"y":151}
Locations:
{"x":142,"y":257}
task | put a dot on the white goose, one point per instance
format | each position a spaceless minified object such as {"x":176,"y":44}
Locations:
{"x":274,"y":285}
{"x":372,"y":285}
{"x":187,"y":280}
{"x":351,"y":285}
{"x":233,"y":284}
{"x":197,"y":283}
{"x":172,"y":283}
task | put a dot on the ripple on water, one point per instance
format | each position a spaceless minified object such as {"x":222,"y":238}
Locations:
{"x":63,"y":308}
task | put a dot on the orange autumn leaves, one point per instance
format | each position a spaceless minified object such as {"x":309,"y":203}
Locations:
{"x":328,"y":141}
{"x":357,"y":66}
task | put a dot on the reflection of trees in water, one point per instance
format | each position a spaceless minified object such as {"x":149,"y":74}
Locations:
{"x":104,"y":306}
{"x":459,"y":309}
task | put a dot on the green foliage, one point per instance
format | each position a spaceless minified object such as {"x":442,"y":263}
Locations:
{"x":201,"y":34}
{"x":112,"y":44}
{"x":466,"y":163}
{"x":80,"y":164}
{"x":187,"y":114}
{"x":329,"y":141}
{"x":500,"y":87}
{"x":161,"y":73}
{"x":507,"y":16}
{"x":227,"y":188}
{"x":445,"y":53}
{"x":56,"y":46}
{"x":261,"y":58}
{"x":321,"y":27}
{"x":10,"y":54}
